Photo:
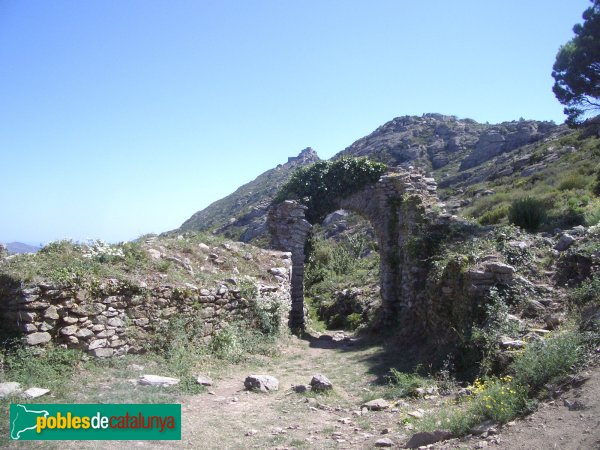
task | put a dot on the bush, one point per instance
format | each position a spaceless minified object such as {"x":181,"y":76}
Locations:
{"x":498,"y":399}
{"x":496,"y":324}
{"x":402,"y":384}
{"x":592,"y":215}
{"x":587,"y":293}
{"x":573,"y":181}
{"x":266,"y":316}
{"x":238,"y":340}
{"x":547,"y":359}
{"x":528,"y":213}
{"x":597,"y":185}
{"x":494,"y":215}
{"x":320,"y":185}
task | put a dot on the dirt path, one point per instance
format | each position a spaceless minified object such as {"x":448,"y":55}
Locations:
{"x":229,"y":417}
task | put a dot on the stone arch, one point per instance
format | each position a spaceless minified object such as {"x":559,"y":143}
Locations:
{"x":400,"y":208}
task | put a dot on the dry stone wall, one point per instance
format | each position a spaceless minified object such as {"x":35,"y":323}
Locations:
{"x":116,"y":318}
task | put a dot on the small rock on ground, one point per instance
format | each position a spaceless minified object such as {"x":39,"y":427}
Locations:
{"x":204,"y":380}
{"x":157,"y":380}
{"x":385,"y":442}
{"x":35,"y":392}
{"x":377,"y":404}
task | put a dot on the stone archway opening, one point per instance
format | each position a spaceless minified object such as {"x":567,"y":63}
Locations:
{"x":400,"y":206}
{"x":341,"y":278}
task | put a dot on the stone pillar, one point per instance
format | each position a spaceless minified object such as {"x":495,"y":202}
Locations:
{"x":289,"y":231}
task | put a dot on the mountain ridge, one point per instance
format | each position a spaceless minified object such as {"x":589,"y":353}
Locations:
{"x":455,"y":151}
{"x":246,"y":207}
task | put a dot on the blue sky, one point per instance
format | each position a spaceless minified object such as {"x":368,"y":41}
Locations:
{"x":119,"y":118}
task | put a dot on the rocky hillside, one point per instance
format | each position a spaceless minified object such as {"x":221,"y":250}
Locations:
{"x":242,"y":214}
{"x":435,"y":141}
{"x":459,"y":152}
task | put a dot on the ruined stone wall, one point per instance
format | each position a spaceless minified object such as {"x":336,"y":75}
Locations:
{"x":116,"y":318}
{"x":401,"y":206}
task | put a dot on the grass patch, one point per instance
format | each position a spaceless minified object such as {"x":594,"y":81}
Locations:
{"x":50,"y":369}
{"x":402,"y":384}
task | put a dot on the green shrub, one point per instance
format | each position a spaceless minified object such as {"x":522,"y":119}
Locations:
{"x":528,"y":213}
{"x":592,"y":215}
{"x":587,"y":293}
{"x":547,"y":359}
{"x":597,"y":184}
{"x":266,"y":316}
{"x":496,"y":323}
{"x":402,"y":384}
{"x":353,"y":321}
{"x":238,"y":340}
{"x":573,"y":181}
{"x":320,"y":185}
{"x":498,"y":399}
{"x":494,"y":215}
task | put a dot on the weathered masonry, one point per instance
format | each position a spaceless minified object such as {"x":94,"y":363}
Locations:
{"x":119,"y":318}
{"x":401,"y":207}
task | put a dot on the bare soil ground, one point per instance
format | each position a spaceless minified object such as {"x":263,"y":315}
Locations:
{"x":229,"y":417}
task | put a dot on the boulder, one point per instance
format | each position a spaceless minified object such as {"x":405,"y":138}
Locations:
{"x":97,"y":343}
{"x":264,"y":383}
{"x":204,"y":380}
{"x":320,"y":382}
{"x":70,"y":330}
{"x":565,"y":241}
{"x":115,"y":322}
{"x":483,"y":427}
{"x":51,"y":313}
{"x":427,"y":438}
{"x":103,"y":352}
{"x":9,"y":388}
{"x":508,"y":343}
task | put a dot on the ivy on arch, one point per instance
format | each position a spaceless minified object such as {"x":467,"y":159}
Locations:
{"x":320,"y":185}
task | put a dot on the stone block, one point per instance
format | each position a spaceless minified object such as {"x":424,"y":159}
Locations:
{"x":38,"y":338}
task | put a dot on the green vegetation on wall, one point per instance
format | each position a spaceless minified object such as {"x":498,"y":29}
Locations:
{"x":320,"y":185}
